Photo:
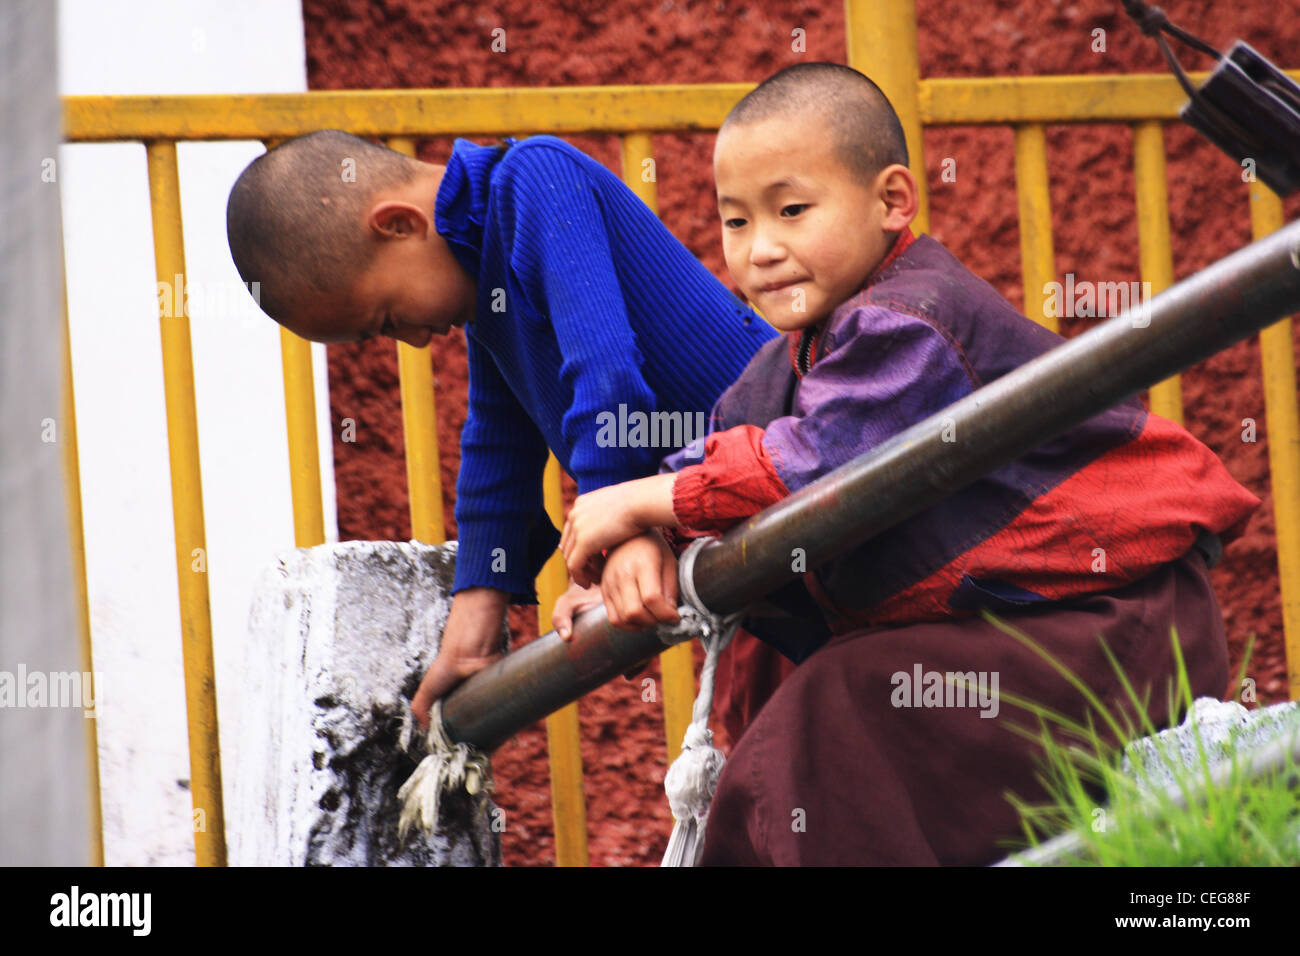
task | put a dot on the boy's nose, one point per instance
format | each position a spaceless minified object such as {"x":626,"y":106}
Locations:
{"x":764,"y":249}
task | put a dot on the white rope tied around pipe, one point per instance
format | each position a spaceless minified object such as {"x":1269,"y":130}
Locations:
{"x":690,"y":782}
{"x":692,"y":779}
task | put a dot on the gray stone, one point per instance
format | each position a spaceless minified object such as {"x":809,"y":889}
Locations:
{"x":1225,"y":728}
{"x":340,"y":637}
{"x":1227,"y":731}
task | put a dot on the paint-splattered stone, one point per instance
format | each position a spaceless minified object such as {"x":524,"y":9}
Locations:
{"x":1225,"y":727}
{"x":340,"y":636}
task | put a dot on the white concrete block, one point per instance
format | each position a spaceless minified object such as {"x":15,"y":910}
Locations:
{"x":340,"y":636}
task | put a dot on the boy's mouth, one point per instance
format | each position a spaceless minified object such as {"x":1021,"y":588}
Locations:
{"x":779,"y":286}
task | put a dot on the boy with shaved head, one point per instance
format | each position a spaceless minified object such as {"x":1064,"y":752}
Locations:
{"x":577,"y":304}
{"x":1104,"y":533}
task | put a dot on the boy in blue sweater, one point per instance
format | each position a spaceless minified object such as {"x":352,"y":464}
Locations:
{"x":590,"y":329}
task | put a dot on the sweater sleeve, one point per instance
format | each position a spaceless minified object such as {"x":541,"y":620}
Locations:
{"x":561,"y":254}
{"x":505,"y":533}
{"x":735,"y":480}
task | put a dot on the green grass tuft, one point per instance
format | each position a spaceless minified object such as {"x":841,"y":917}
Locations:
{"x":1102,"y":814}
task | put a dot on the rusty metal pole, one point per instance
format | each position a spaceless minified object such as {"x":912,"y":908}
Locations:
{"x":1223,"y":304}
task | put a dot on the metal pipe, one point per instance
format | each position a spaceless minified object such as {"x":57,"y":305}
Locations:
{"x":541,"y":677}
{"x":1221,"y":305}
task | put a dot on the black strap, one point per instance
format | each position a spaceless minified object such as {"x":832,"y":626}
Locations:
{"x":1209,"y":544}
{"x":1153,"y":22}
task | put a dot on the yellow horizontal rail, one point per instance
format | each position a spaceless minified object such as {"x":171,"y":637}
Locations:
{"x":503,"y":111}
{"x":1119,"y":98}
{"x":611,"y":109}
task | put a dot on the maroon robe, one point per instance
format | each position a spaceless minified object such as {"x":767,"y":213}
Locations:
{"x":831,"y":772}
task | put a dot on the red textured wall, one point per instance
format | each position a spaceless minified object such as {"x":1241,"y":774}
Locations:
{"x":425,"y":43}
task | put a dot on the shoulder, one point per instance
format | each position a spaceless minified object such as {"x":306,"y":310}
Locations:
{"x":866,"y":336}
{"x":923,"y":280}
{"x":772,"y":355}
{"x":759,"y":393}
{"x":548,"y":155}
{"x":930,"y":285}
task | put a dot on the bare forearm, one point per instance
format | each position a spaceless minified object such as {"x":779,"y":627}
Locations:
{"x":652,"y":501}
{"x":478,"y":612}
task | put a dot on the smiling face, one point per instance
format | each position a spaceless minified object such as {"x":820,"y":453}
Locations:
{"x":413,"y":288}
{"x":800,"y":233}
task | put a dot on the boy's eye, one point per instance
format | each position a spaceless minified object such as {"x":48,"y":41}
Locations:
{"x":793,"y":209}
{"x":732,"y":223}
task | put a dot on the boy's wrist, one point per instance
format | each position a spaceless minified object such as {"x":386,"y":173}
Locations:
{"x":482,"y":601}
{"x":476,"y":618}
{"x":652,"y":503}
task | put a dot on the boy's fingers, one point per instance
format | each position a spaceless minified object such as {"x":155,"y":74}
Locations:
{"x":577,"y":563}
{"x":655,"y":601}
{"x":561,"y":615}
{"x":441,"y":678}
{"x":430,"y":690}
{"x":618,"y":606}
{"x":580,"y":608}
{"x":668,"y":581}
{"x":577,"y":571}
{"x":634,"y":608}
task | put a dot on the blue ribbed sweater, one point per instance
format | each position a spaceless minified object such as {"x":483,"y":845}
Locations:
{"x":585,"y":302}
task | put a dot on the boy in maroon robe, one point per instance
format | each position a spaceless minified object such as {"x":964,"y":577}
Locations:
{"x":865,"y":754}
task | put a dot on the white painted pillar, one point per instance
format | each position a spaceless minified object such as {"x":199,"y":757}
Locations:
{"x":170,"y":46}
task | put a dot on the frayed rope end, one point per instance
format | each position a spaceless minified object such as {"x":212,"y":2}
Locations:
{"x":447,"y":768}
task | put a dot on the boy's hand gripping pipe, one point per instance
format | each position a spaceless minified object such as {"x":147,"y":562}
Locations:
{"x":1192,"y":320}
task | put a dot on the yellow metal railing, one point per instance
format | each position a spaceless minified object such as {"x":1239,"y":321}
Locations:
{"x":881,"y":40}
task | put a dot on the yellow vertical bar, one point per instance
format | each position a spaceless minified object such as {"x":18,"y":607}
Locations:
{"x":77,"y":542}
{"x":563,"y":742}
{"x":187,"y":509}
{"x":1278,"y":359}
{"x":639,"y":170}
{"x":882,"y":44}
{"x":300,"y":424}
{"x":1154,"y":248}
{"x":1033,"y":194}
{"x":420,"y":425}
{"x":304,"y":452}
{"x":676,"y":664}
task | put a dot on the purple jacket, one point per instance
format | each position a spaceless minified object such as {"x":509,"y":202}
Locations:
{"x":1104,"y":504}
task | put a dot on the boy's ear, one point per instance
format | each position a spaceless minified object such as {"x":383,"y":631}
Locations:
{"x":901,"y":196}
{"x":394,"y":219}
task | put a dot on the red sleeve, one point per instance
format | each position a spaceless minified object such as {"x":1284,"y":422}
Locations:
{"x":735,"y":480}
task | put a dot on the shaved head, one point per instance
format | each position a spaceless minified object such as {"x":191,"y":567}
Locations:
{"x":296,"y":216}
{"x":865,"y":130}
